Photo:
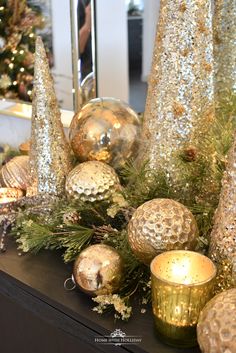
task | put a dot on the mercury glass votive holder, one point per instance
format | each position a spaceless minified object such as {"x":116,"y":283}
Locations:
{"x":182,"y":283}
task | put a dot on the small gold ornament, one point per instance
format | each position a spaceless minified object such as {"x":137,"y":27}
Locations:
{"x":98,"y":270}
{"x":92,"y":181}
{"x":160,"y":225}
{"x":105,"y":129}
{"x":216,"y":329}
{"x":24,"y":147}
{"x":16,"y":173}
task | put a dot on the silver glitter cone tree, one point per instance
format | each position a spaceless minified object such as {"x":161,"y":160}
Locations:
{"x":223,"y":236}
{"x":179,"y":106}
{"x":225,"y":47}
{"x":50,"y":153}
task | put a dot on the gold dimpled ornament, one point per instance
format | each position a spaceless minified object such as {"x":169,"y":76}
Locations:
{"x":98,"y":270}
{"x":216,"y":329}
{"x":105,"y":129}
{"x":16,"y":173}
{"x":160,"y":225}
{"x":92,"y":181}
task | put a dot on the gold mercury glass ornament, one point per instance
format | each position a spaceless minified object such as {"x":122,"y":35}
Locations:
{"x":216,"y":329}
{"x":98,"y":270}
{"x":106,"y":130}
{"x":160,"y":225}
{"x":16,"y":173}
{"x":92,"y":181}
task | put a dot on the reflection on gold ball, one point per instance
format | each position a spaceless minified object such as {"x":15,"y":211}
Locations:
{"x":92,"y":181}
{"x":16,"y":173}
{"x":87,"y":88}
{"x":98,"y":270}
{"x":107,"y":130}
{"x":216,"y":329}
{"x":161,"y":225}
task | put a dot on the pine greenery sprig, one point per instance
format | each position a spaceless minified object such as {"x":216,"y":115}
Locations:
{"x":59,"y":227}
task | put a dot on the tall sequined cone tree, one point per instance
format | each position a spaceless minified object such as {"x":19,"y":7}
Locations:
{"x":225,"y":47}
{"x":180,"y":105}
{"x":223,"y":236}
{"x":50,"y":152}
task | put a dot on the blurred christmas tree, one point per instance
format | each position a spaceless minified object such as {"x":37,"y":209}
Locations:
{"x":19,"y":20}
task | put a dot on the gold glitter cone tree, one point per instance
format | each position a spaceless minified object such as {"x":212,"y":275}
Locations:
{"x":223,"y":236}
{"x":225,"y":47}
{"x":179,"y":106}
{"x":50,"y":153}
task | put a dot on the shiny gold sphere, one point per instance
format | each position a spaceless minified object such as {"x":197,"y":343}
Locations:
{"x":98,"y":270}
{"x":92,"y":181}
{"x":216,"y":329}
{"x":160,"y":225}
{"x":107,"y":130}
{"x":16,"y":173}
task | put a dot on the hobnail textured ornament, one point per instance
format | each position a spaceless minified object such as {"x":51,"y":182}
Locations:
{"x":105,"y":129}
{"x":98,"y":270}
{"x":16,"y":173}
{"x":161,"y":225}
{"x":92,"y":181}
{"x":216,"y":329}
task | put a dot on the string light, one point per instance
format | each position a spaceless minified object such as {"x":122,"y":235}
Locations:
{"x":14,"y":51}
{"x":1,"y":8}
{"x":11,"y":65}
{"x":22,"y":69}
{"x":14,"y":83}
{"x":29,"y":92}
{"x":73,"y":90}
{"x":21,"y":51}
{"x":31,"y":35}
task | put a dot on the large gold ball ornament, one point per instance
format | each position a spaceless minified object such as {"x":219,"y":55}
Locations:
{"x":107,"y":130}
{"x":216,"y":329}
{"x":160,"y":225}
{"x":92,"y":181}
{"x":98,"y":270}
{"x":16,"y":173}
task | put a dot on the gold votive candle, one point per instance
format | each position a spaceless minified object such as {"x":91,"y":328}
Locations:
{"x":182,"y":283}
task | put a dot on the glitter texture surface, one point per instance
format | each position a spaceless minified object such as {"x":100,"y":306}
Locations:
{"x":225,"y":45}
{"x":50,"y":153}
{"x":179,"y":105}
{"x":223,"y":236}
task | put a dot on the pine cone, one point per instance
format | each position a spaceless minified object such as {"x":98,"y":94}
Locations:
{"x":71,"y":217}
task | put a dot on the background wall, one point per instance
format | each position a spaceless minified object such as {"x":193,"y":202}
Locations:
{"x":112,"y":49}
{"x":62,"y":70}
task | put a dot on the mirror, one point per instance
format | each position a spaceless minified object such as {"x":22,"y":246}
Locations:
{"x":125,"y":32}
{"x":20,"y":22}
{"x":119,"y":38}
